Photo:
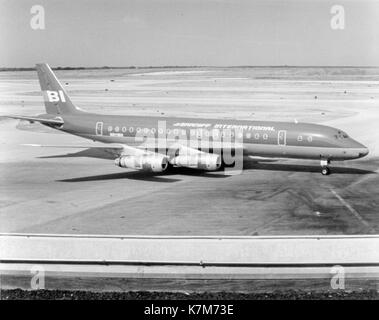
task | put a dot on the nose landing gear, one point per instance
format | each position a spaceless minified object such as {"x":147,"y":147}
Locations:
{"x":325,"y":170}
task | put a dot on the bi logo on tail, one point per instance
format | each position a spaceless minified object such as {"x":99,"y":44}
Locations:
{"x":54,"y":96}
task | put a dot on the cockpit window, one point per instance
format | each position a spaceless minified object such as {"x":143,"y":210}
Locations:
{"x":341,"y":135}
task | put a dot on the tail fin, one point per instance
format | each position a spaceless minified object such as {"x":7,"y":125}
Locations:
{"x":55,"y":96}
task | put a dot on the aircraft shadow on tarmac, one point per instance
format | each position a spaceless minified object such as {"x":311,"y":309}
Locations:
{"x":149,"y":176}
{"x":135,"y":175}
{"x":260,"y":165}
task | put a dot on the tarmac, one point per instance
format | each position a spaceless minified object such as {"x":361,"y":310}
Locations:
{"x":65,"y":191}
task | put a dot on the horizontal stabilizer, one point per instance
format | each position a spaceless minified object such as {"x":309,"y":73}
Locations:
{"x":55,"y":121}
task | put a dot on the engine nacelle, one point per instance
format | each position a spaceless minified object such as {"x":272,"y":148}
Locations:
{"x":152,"y":163}
{"x":205,"y":161}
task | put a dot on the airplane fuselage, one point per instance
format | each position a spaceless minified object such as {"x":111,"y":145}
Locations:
{"x":259,"y":138}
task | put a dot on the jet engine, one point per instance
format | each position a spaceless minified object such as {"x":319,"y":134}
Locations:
{"x":205,"y":161}
{"x":152,"y":163}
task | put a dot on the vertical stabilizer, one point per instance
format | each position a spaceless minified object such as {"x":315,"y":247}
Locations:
{"x":55,"y":96}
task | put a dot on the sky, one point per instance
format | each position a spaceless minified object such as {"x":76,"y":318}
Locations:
{"x":94,"y":33}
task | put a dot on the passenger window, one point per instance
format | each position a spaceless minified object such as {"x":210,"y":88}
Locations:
{"x":300,"y":138}
{"x":265,"y":136}
{"x":256,"y":136}
{"x":310,"y":139}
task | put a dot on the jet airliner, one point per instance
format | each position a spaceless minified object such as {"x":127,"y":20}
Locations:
{"x":127,"y":136}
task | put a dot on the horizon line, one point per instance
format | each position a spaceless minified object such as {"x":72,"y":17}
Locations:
{"x":184,"y":66}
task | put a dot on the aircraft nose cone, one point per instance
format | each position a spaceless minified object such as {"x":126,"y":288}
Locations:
{"x":358,"y":149}
{"x":363,"y":152}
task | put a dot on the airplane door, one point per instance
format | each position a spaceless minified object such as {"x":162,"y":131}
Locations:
{"x":282,"y":137}
{"x":99,"y":128}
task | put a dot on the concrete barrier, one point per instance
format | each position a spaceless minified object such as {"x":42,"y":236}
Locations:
{"x":191,"y":257}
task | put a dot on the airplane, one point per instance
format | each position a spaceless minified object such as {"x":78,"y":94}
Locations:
{"x":190,"y":142}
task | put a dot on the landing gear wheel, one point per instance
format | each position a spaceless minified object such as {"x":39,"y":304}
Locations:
{"x":325,"y":171}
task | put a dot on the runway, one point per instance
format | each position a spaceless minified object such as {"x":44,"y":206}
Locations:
{"x":63,"y":191}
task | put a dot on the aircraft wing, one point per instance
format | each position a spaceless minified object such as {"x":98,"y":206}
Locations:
{"x":55,"y":121}
{"x":112,"y":148}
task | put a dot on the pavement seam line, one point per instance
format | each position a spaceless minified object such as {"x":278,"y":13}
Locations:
{"x":351,"y":209}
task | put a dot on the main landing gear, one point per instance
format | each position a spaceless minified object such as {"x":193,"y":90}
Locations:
{"x":325,"y":170}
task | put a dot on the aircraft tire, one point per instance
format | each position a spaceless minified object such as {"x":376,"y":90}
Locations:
{"x":325,"y":171}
